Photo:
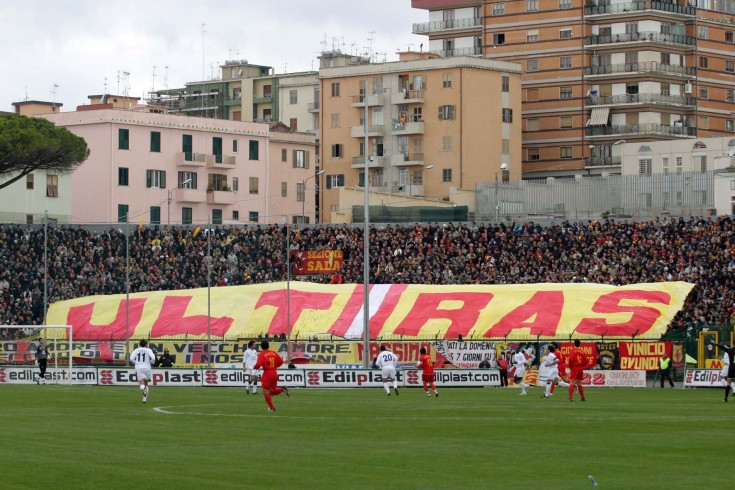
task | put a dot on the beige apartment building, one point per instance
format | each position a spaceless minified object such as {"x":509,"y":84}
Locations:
{"x":435,"y":126}
{"x":600,"y":72}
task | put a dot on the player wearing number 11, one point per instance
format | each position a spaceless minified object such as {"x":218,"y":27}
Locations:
{"x":143,"y":357}
{"x":269,"y":362}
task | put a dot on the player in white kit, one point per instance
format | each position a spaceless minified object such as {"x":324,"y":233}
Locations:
{"x":520,"y":361}
{"x":551,"y":362}
{"x":249,"y":358}
{"x":143,"y":357}
{"x":387,"y":362}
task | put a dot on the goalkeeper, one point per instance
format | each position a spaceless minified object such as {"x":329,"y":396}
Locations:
{"x":41,"y":359}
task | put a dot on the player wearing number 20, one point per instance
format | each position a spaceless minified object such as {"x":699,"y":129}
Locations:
{"x":387,"y":362}
{"x":143,"y":357}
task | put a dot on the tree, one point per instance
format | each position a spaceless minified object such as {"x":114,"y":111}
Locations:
{"x":29,"y":143}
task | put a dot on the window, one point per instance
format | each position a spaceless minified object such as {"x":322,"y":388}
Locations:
{"x":378,"y":85}
{"x":631,"y":28}
{"x":335,"y":119}
{"x":565,"y":152}
{"x":29,"y":219}
{"x":155,"y":141}
{"x":217,"y":149}
{"x":507,"y":115}
{"x":284,"y":189}
{"x":300,"y":192}
{"x":665,"y":88}
{"x":645,"y":166}
{"x":498,"y":38}
{"x":532,"y":124}
{"x":505,"y":146}
{"x":122,"y":213}
{"x":446,"y":112}
{"x":446,"y":143}
{"x":337,"y":150}
{"x":730,"y":96}
{"x":531,"y":95}
{"x":217,"y":182}
{"x":293,"y":124}
{"x":679,"y":164}
{"x":532,"y":64}
{"x":29,"y":181}
{"x":565,"y":33}
{"x":216,"y":216}
{"x":565,"y":92}
{"x":665,"y":164}
{"x":300,"y":159}
{"x":293,"y":97}
{"x":703,"y":62}
{"x":703,"y":93}
{"x":533,"y":154}
{"x":186,"y":216}
{"x":565,"y":122}
{"x":665,"y":58}
{"x":155,"y":215}
{"x":234,"y":146}
{"x":730,"y":66}
{"x":284,"y":155}
{"x":499,"y":9}
{"x":702,"y":32}
{"x":730,"y":125}
{"x":531,"y":5}
{"x":532,"y":36}
{"x":253,"y":150}
{"x":52,"y":186}
{"x":446,"y":175}
{"x":565,"y":62}
{"x":505,"y":84}
{"x":699,"y":163}
{"x":236,"y":184}
{"x":335,"y":89}
{"x":703,"y":122}
{"x":447,"y":80}
{"x":155,"y":179}
{"x":123,"y":139}
{"x":729,"y":37}
{"x":186,"y":147}
{"x":235,"y":215}
{"x":253,"y":188}
{"x":123,"y":176}
{"x":253,"y":216}
{"x":334,"y":181}
{"x":565,"y":4}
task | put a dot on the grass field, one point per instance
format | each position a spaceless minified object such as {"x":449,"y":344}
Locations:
{"x":57,"y":436}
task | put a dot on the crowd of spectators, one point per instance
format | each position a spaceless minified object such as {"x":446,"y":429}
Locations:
{"x":83,"y":262}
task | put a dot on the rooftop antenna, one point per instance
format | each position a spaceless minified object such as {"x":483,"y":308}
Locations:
{"x":203,"y":65}
{"x":370,"y":39}
{"x":153,"y":83}
{"x":353,"y":46}
{"x":105,"y":85}
{"x":324,"y":43}
{"x":53,"y":91}
{"x":26,"y":92}
{"x":165,"y":77}
{"x":285,"y":67}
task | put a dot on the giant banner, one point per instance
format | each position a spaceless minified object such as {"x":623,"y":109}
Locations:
{"x":508,"y":312}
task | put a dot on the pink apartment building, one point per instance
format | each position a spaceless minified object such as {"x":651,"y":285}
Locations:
{"x":155,"y":168}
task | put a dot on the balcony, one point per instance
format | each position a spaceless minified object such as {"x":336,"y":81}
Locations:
{"x":374,"y":130}
{"x":264,"y":99}
{"x":313,"y":107}
{"x":629,"y":37}
{"x":372,"y":100}
{"x":409,"y":127}
{"x":407,"y":97}
{"x":447,"y":25}
{"x":649,"y":129}
{"x":225,"y":162}
{"x":629,"y":69}
{"x":623,"y":8}
{"x":374,"y":162}
{"x":220,"y":197}
{"x":190,"y":159}
{"x":448,"y":53}
{"x":230,"y":101}
{"x":407,"y":159}
{"x":641,"y":99}
{"x":608,"y":161}
{"x":189,"y":195}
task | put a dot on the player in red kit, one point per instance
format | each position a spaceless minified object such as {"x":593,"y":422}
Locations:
{"x":269,"y":361}
{"x":427,"y":376}
{"x":577,"y":361}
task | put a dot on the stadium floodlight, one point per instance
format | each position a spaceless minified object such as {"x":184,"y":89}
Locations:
{"x":22,"y":354}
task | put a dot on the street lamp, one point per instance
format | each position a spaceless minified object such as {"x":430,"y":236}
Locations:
{"x":503,"y":167}
{"x":303,"y":202}
{"x":170,"y":198}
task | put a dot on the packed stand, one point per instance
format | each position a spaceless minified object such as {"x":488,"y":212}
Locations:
{"x":82,"y":262}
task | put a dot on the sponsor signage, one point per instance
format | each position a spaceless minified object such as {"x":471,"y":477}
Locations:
{"x":703,"y":378}
{"x":236,"y":378}
{"x":28,"y":375}
{"x":347,"y":378}
{"x":615,"y":378}
{"x":456,"y":377}
{"x":467,"y":354}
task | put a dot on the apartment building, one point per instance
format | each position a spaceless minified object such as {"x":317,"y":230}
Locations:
{"x":430,"y":127}
{"x":599,"y":72}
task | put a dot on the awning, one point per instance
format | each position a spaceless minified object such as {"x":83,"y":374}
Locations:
{"x":599,"y":116}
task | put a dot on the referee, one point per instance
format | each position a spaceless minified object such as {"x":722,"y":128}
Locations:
{"x":42,"y":359}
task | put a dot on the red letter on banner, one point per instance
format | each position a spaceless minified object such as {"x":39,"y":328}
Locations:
{"x":545,"y":305}
{"x":427,"y":308}
{"x":80,"y":317}
{"x":300,"y":301}
{"x":171,"y":320}
{"x":640,"y":322}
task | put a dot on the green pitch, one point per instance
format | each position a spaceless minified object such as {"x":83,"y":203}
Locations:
{"x":104,"y":437}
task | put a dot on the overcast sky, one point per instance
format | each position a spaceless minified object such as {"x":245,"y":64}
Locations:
{"x":81,"y":45}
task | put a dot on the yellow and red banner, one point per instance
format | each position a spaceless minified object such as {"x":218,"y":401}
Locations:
{"x":306,"y":262}
{"x":643,"y":355}
{"x":509,"y":312}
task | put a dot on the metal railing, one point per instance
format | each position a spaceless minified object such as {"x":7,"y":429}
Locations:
{"x":640,"y":99}
{"x":639,"y":67}
{"x":647,"y":128}
{"x":641,"y":36}
{"x":440,"y":25}
{"x":603,"y":161}
{"x":448,"y":53}
{"x":638,"y":6}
